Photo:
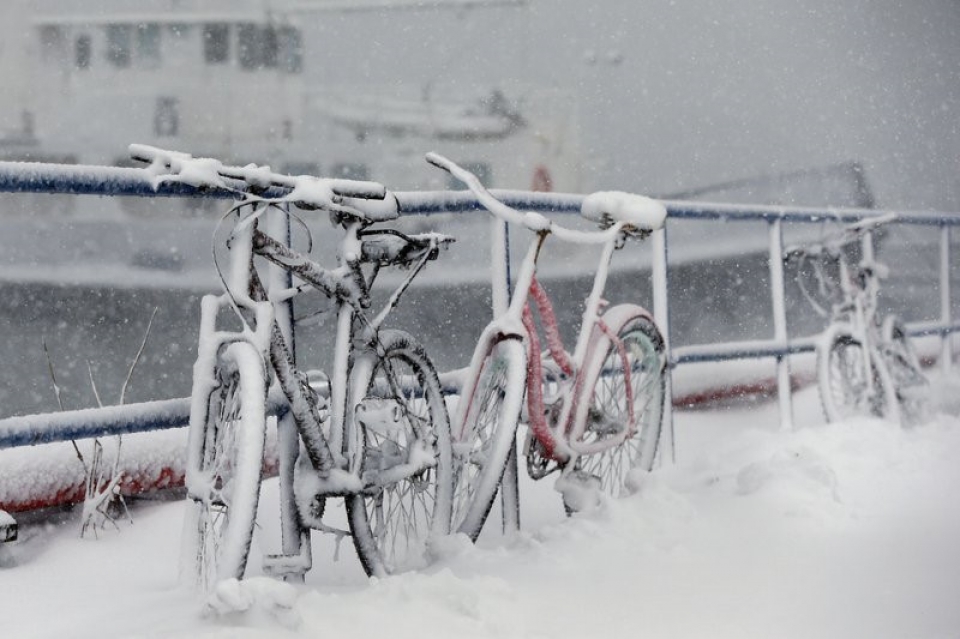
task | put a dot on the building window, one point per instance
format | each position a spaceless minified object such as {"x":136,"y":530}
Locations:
{"x":269,"y":47}
{"x":216,"y":43}
{"x":290,"y":49}
{"x":166,"y":119}
{"x":82,"y":52}
{"x":248,"y":46}
{"x":148,"y":45}
{"x":258,"y":46}
{"x":51,"y":43}
{"x":118,"y":44}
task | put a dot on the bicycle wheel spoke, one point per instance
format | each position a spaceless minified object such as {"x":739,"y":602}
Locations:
{"x":227,"y":476}
{"x":400,"y":519}
{"x":625,"y":407}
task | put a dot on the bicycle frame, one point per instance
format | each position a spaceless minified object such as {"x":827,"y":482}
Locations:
{"x":517,"y":322}
{"x":331,"y":456}
{"x":337,"y":461}
{"x":887,"y":373}
{"x":858,"y":287}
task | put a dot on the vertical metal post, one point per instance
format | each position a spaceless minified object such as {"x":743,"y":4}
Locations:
{"x":288,"y":441}
{"x":278,"y":227}
{"x":500,"y":263}
{"x":946,"y":352}
{"x":661,"y":314}
{"x":780,"y":323}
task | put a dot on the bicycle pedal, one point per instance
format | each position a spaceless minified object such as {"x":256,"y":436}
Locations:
{"x":382,"y":416}
{"x":580,"y":491}
{"x":287,"y":565}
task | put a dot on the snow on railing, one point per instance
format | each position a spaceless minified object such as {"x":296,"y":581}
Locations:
{"x":111,"y":181}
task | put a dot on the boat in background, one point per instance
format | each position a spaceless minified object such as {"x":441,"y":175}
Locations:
{"x":231,"y":80}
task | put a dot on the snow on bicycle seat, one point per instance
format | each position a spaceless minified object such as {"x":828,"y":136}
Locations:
{"x":638,"y":211}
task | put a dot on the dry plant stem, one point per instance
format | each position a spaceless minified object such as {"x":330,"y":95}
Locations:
{"x":93,"y":385}
{"x":126,"y":382}
{"x":103,"y":491}
{"x":99,"y":497}
{"x":56,"y":390}
{"x":136,"y":359}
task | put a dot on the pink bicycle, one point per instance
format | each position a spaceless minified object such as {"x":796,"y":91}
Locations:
{"x":595,"y":415}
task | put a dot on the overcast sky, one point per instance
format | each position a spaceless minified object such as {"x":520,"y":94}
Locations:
{"x":706,"y":90}
{"x":702,"y":91}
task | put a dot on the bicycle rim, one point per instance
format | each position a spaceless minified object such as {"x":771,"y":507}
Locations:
{"x":845,"y":389}
{"x":221,"y":518}
{"x":487,"y":430}
{"x":608,"y":458}
{"x":905,"y":372}
{"x":403,"y":417}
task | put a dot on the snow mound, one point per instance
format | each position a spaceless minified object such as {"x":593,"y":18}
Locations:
{"x":432,"y":605}
{"x":828,"y":530}
{"x":259,"y":601}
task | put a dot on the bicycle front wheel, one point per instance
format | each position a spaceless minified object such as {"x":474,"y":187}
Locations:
{"x":843,"y":362}
{"x":485,"y":430}
{"x":224,"y":468}
{"x":617,"y":427}
{"x":407,"y":459}
{"x":905,"y":371}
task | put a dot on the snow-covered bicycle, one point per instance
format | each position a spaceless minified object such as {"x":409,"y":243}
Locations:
{"x":375,"y":432}
{"x":595,"y":415}
{"x":865,"y":366}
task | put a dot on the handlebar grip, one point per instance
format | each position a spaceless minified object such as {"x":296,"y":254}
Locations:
{"x":358,"y":189}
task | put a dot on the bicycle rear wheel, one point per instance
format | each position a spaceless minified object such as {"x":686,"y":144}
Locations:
{"x":224,"y":468}
{"x":403,"y":421}
{"x":485,"y":429}
{"x":845,"y":389}
{"x":905,"y":371}
{"x":616,"y":431}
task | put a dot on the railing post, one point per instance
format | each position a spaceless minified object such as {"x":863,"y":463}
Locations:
{"x":661,"y":315}
{"x":288,"y":439}
{"x":946,"y":351}
{"x":500,"y":263}
{"x":780,"y":323}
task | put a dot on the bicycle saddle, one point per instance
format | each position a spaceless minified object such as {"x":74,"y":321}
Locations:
{"x":637,"y":211}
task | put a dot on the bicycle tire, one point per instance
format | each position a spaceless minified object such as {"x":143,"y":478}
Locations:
{"x":604,"y":405}
{"x":392,"y":527}
{"x":484,"y":430}
{"x":843,"y":387}
{"x":905,"y":371}
{"x":224,"y":467}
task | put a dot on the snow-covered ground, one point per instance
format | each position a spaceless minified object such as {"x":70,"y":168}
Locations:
{"x":842,"y":530}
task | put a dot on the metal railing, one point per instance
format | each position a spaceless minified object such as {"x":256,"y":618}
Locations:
{"x":110,"y":181}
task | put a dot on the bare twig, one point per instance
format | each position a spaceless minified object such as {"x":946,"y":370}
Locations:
{"x":93,"y":385}
{"x":126,"y":382}
{"x":136,"y":360}
{"x":56,"y":390}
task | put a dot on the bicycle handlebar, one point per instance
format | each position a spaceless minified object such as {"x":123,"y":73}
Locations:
{"x":305,"y":191}
{"x":615,"y":211}
{"x":833,"y":244}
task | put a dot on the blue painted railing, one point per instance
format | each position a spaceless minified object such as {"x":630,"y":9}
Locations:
{"x":18,"y":177}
